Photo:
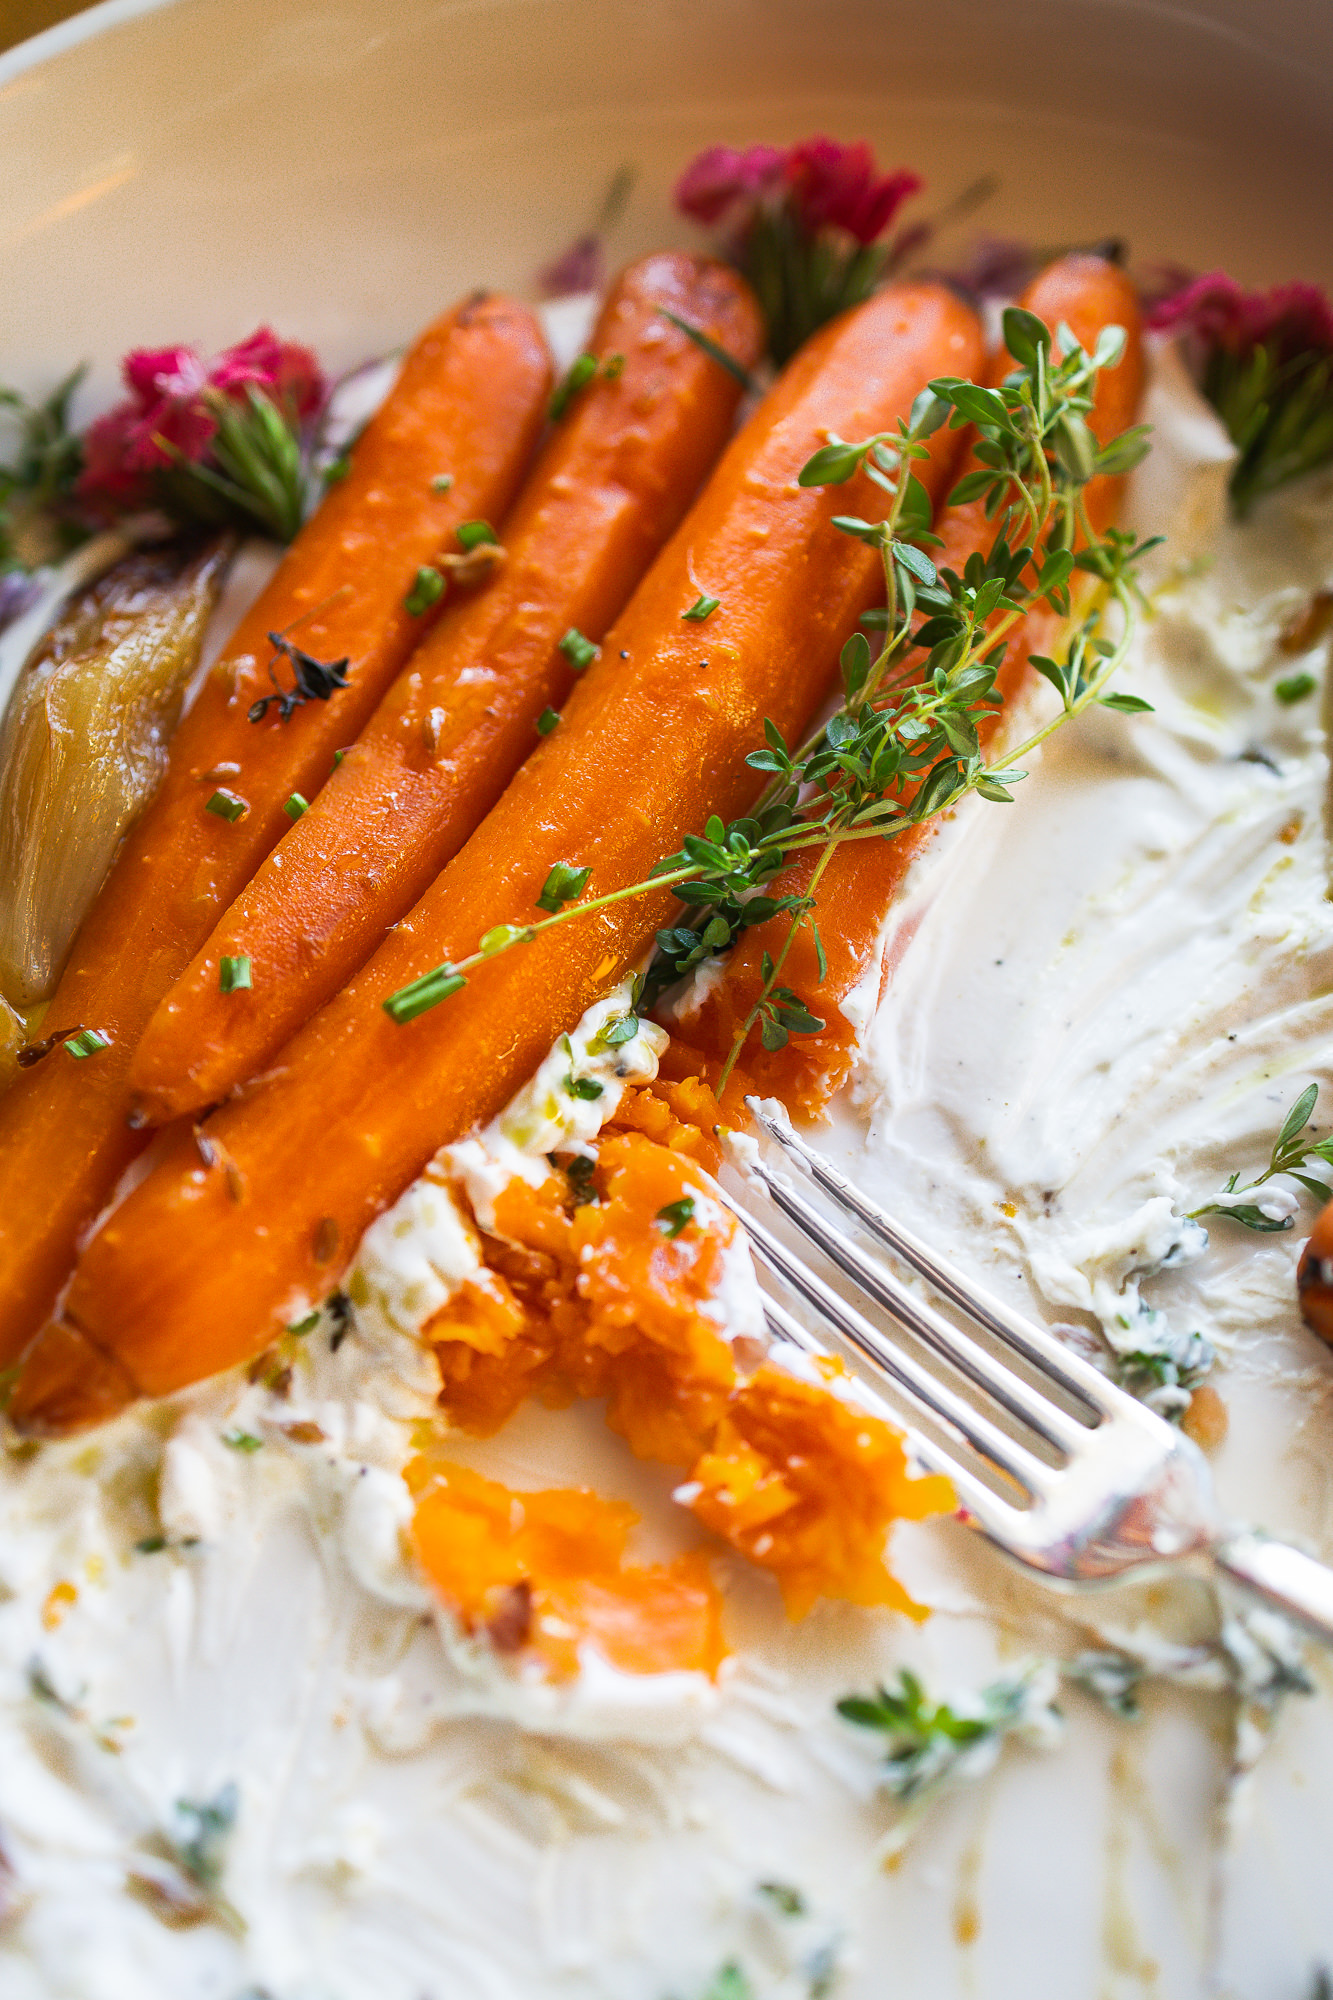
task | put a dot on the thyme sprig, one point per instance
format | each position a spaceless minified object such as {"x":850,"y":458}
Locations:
{"x":902,"y":746}
{"x":1291,"y":1149}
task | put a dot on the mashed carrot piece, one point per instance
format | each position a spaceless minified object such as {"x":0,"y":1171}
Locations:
{"x":599,"y":1282}
{"x":546,"y":1572}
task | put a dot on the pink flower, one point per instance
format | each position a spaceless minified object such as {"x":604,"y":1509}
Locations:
{"x":837,"y":185}
{"x":1288,"y":321}
{"x":580,"y":268}
{"x":168,"y":406}
{"x":721,"y":176}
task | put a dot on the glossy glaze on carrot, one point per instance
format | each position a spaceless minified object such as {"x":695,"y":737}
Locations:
{"x":469,"y":402}
{"x":862,"y":880}
{"x":207,"y":1257}
{"x":615,"y":478}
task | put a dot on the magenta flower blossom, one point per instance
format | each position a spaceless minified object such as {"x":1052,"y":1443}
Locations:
{"x":837,"y":186}
{"x":804,"y":224}
{"x":721,"y":177}
{"x":171,"y":412}
{"x":1264,"y":360}
{"x":1288,"y":321}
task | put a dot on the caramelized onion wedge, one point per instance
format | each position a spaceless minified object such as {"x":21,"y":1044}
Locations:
{"x":83,"y":746}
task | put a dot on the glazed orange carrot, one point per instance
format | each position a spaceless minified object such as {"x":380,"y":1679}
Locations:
{"x":469,"y":403}
{"x":1314,"y":1277}
{"x":862,"y":878}
{"x":262,"y":1209}
{"x":615,"y":478}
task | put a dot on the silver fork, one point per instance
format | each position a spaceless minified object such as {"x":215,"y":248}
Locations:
{"x":1116,"y":1488}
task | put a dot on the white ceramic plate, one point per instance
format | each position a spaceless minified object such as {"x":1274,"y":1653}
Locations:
{"x":343,"y":167}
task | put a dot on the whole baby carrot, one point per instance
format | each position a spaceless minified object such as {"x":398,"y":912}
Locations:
{"x":466,"y":408}
{"x":861,"y":880}
{"x":261,"y":1208}
{"x":622,"y":465}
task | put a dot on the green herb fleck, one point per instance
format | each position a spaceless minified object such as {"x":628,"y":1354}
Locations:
{"x":563,"y":885}
{"x":581,"y":371}
{"x":1294,"y":688}
{"x":427,"y":590}
{"x":234,"y":974}
{"x":202,"y":1851}
{"x":580,"y":652}
{"x":927,"y":1740}
{"x":295,"y":806}
{"x":503,"y":935}
{"x":702,"y":607}
{"x":227,"y":805}
{"x":151,"y":1545}
{"x":613,"y":367}
{"x":87,"y":1043}
{"x":547,"y":721}
{"x":471,"y":534}
{"x":585,"y":1087}
{"x":442,"y":482}
{"x":422,"y":994}
{"x":729,"y":1983}
{"x":300,"y":1327}
{"x":710,"y":348}
{"x":338,"y":756}
{"x":242,"y":1440}
{"x":675,"y":1217}
{"x":790,"y":1902}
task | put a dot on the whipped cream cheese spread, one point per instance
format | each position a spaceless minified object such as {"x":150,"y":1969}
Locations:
{"x":243,"y":1750}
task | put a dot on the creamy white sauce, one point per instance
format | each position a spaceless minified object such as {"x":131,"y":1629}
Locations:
{"x":1115,"y":988}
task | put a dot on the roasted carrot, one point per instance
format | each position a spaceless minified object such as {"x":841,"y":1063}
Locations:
{"x":862,"y":879}
{"x":1314,"y":1277}
{"x":468,"y":403}
{"x":262,"y":1208}
{"x":615,"y":478}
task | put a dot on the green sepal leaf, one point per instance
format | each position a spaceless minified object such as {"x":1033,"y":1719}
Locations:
{"x":1127,"y":704}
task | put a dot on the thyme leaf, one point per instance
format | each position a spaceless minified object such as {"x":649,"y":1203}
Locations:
{"x":1291,"y":1150}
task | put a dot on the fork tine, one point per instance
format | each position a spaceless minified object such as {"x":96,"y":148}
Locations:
{"x":957,"y":1416}
{"x":1029,"y":1405}
{"x":996,"y":1516}
{"x":1038,"y":1346}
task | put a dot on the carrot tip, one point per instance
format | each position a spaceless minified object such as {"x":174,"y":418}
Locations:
{"x":67,"y":1385}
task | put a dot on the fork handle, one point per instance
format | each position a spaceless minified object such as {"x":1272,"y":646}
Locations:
{"x":1288,"y":1579}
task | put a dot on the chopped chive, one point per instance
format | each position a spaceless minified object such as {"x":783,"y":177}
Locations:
{"x":442,"y":482}
{"x":427,"y":590}
{"x":423,"y":994}
{"x":472,"y":534}
{"x":547,"y":720}
{"x":306,"y":1325}
{"x":227,"y":805}
{"x":677,"y":1215}
{"x":88,"y":1043}
{"x":234,"y":974}
{"x":1294,"y":688}
{"x":296,"y":805}
{"x":562,"y":885}
{"x":242,"y":1440}
{"x":710,"y":348}
{"x":582,"y":369}
{"x":702,"y":607}
{"x":580,"y":652}
{"x":613,"y":366}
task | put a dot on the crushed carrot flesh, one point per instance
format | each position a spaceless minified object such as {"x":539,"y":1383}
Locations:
{"x":586,"y":1293}
{"x":546,"y":1573}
